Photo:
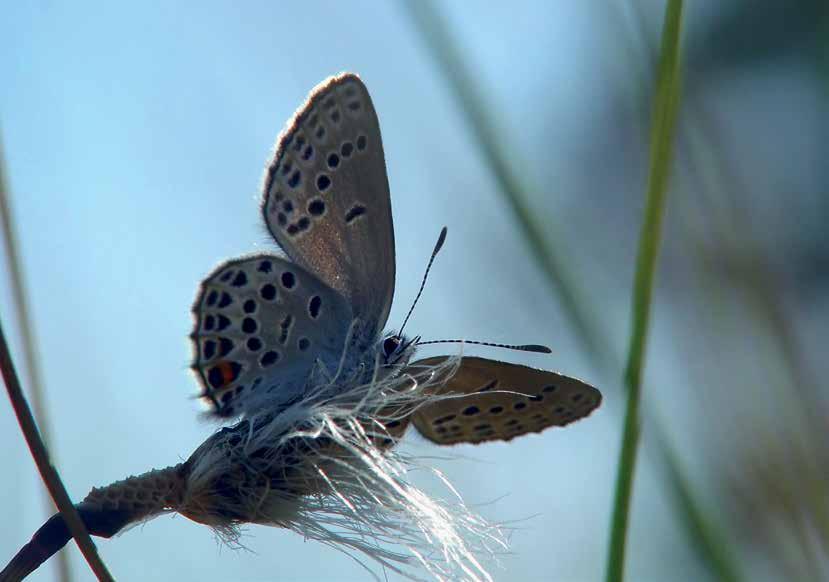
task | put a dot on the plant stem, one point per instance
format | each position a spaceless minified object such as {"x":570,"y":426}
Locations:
{"x":662,"y":144}
{"x":39,"y":452}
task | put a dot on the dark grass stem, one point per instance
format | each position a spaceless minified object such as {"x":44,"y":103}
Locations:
{"x":663,"y":131}
{"x":33,"y":439}
{"x":44,"y":465}
{"x":27,"y":337}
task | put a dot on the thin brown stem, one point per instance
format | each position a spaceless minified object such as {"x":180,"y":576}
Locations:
{"x":36,"y":445}
{"x":44,"y":466}
{"x":27,"y":337}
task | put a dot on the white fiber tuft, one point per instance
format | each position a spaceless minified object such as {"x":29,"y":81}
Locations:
{"x":327,"y":468}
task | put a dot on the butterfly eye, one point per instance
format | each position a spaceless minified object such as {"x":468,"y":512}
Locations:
{"x":390,"y":345}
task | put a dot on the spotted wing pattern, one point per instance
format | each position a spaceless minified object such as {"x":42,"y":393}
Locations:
{"x":500,"y":401}
{"x":326,"y":198}
{"x":261,"y":325}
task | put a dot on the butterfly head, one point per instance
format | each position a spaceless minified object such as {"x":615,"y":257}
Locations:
{"x":397,"y":349}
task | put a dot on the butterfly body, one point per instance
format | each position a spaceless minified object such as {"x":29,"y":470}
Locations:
{"x":271,"y":331}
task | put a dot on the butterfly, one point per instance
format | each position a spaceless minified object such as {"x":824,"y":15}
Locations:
{"x":268,"y":329}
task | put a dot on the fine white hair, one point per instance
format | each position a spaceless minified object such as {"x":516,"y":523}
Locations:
{"x":341,"y":481}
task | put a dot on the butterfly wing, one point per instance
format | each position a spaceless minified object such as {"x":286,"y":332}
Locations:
{"x":261,"y":325}
{"x":500,"y":401}
{"x":326,"y":197}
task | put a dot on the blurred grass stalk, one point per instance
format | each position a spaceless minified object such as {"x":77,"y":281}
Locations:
{"x":494,"y":150}
{"x":699,"y":154}
{"x":27,"y":336}
{"x":663,"y":132}
{"x":779,"y":476}
{"x":702,"y":534}
{"x":37,"y":440}
{"x":707,"y":540}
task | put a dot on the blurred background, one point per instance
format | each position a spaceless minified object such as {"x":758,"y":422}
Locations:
{"x":135,"y":140}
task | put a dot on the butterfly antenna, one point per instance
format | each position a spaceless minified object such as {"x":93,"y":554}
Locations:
{"x":438,"y":246}
{"x":535,"y":348}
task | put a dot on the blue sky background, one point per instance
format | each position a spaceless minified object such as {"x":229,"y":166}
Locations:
{"x":135,"y":139}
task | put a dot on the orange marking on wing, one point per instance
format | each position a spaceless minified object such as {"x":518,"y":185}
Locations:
{"x":227,"y":373}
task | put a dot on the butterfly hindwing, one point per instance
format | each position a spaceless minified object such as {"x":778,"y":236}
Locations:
{"x":261,"y":323}
{"x":326,"y":197}
{"x":500,"y":401}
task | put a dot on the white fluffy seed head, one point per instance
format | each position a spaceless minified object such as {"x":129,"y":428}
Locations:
{"x":327,"y":468}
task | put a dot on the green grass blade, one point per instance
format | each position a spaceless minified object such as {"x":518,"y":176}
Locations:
{"x":662,"y":145}
{"x":702,"y":528}
{"x":439,"y":42}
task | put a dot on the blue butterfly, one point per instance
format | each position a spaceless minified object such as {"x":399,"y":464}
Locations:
{"x":269,"y":329}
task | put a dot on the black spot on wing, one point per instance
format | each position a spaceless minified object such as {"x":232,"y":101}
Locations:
{"x":354,"y":213}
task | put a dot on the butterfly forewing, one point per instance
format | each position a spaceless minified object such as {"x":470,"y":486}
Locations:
{"x":262,"y":324}
{"x":500,"y":401}
{"x":326,"y":197}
